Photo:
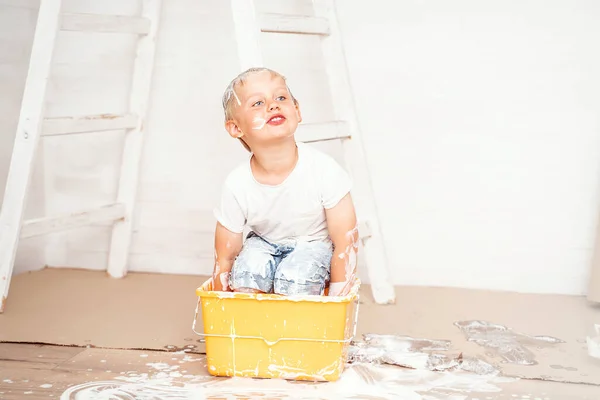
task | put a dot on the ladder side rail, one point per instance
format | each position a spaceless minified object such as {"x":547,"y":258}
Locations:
{"x":26,"y":140}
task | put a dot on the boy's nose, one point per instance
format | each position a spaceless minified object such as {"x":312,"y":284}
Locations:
{"x":273,"y":106}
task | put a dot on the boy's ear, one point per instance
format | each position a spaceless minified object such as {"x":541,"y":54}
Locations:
{"x":234,"y":131}
{"x":298,"y":113}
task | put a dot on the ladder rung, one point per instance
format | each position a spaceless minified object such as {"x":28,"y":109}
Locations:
{"x":88,"y":123}
{"x":287,"y":23}
{"x":321,"y":131}
{"x":41,"y":226}
{"x":105,"y":23}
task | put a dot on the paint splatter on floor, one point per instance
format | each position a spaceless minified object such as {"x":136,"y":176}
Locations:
{"x":359,"y":381}
{"x":502,"y":341}
{"x":409,"y":352}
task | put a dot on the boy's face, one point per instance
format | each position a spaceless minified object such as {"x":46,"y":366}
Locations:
{"x":263,"y":110}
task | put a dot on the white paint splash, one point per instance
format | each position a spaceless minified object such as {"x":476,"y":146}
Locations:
{"x":415,"y":353}
{"x":349,"y":257}
{"x":593,"y":343}
{"x":46,"y":386}
{"x":258,"y":123}
{"x":375,"y":382}
{"x":511,"y":346}
{"x":236,"y":97}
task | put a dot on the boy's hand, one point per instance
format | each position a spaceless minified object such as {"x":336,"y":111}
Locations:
{"x":341,"y":223}
{"x":227,"y":246}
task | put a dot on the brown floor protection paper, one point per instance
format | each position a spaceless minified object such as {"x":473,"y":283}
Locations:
{"x":154,"y":311}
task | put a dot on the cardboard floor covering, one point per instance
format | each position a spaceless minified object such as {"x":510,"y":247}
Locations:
{"x":155,"y":311}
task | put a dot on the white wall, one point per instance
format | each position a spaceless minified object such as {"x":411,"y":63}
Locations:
{"x":482,"y":117}
{"x":187,"y":153}
{"x":482,"y":125}
{"x":17,"y":26}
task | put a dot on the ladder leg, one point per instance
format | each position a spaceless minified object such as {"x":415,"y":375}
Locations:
{"x":132,"y":152}
{"x":247,"y":33}
{"x":355,"y":157}
{"x":26,"y":140}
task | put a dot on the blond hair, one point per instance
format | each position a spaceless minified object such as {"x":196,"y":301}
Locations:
{"x":230,"y":96}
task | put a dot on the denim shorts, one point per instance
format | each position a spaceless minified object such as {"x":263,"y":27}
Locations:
{"x":286,"y":269}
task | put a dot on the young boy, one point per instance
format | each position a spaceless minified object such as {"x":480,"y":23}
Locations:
{"x":294,"y":199}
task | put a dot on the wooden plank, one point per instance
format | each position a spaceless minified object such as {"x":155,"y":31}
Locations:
{"x":299,"y":24}
{"x":37,"y":353}
{"x":26,"y":140}
{"x":319,"y":132}
{"x":30,"y":4}
{"x":132,"y":152}
{"x":105,"y":23}
{"x":354,"y":153}
{"x":88,"y":123}
{"x":42,"y":226}
{"x":247,"y":33}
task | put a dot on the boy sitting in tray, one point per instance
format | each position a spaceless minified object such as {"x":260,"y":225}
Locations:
{"x":294,"y":199}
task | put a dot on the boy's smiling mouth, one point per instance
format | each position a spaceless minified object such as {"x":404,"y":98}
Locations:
{"x":276,"y":119}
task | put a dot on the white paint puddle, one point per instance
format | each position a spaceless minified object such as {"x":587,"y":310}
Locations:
{"x":359,"y":381}
{"x":409,"y":352}
{"x":511,"y":346}
{"x":593,"y":343}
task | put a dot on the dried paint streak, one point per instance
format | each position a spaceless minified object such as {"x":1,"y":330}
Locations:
{"x":409,"y":352}
{"x":504,"y":342}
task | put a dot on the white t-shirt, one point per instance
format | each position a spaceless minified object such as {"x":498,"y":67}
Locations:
{"x":292,"y":210}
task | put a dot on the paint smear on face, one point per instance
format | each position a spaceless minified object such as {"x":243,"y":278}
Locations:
{"x":236,"y":97}
{"x":504,"y":342}
{"x":258,"y":123}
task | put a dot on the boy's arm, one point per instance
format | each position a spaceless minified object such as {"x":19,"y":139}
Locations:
{"x":227,"y":246}
{"x":341,"y":223}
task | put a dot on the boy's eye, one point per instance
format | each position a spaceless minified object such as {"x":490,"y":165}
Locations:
{"x":257,"y":103}
{"x":281,"y":98}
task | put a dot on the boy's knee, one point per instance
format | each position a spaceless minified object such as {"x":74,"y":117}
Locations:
{"x":302,"y":275}
{"x":253,"y":269}
{"x":288,"y":287}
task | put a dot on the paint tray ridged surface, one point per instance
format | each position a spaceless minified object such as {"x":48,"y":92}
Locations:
{"x":272,"y":336}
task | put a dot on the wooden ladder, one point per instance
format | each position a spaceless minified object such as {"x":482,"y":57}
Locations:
{"x":248,"y":27}
{"x":32,"y":126}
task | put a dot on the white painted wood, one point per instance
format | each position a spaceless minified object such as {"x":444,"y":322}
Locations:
{"x":26,"y":140}
{"x":318,"y":132}
{"x":132,"y":152}
{"x":30,"y":4}
{"x":105,"y":23}
{"x":299,"y":24}
{"x":363,"y":195}
{"x":88,"y":123}
{"x":364,"y":229}
{"x":247,"y":33}
{"x":42,"y":226}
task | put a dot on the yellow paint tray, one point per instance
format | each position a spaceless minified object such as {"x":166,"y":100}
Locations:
{"x":273,"y":336}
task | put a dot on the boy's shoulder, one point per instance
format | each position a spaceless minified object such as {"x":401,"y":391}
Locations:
{"x":317,"y":156}
{"x":239,"y":176}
